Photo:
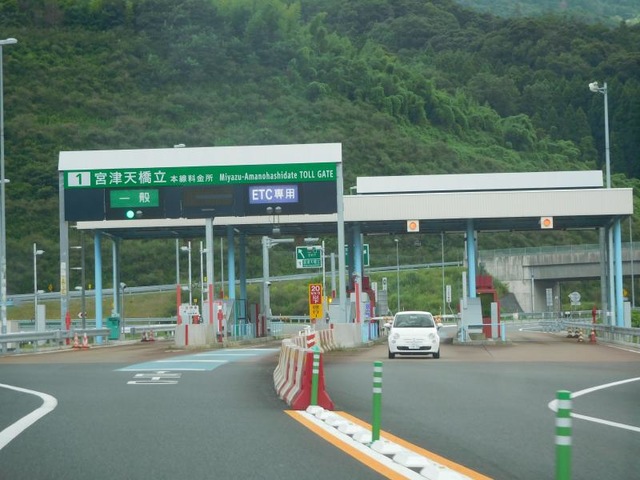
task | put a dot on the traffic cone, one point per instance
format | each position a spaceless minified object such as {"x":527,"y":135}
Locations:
{"x":592,"y":336}
{"x":151,"y":336}
{"x":76,"y":343}
{"x":569,"y":332}
{"x":85,"y":341}
{"x":145,"y":337}
{"x":580,"y":336}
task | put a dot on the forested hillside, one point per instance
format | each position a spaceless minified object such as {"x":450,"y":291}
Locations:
{"x":609,"y":12}
{"x":407,"y":86}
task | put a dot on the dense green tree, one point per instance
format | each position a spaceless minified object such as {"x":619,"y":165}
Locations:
{"x":407,"y":86}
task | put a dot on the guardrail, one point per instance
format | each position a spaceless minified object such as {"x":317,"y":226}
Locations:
{"x":17,"y":342}
{"x":142,"y":329}
{"x":629,"y":337}
{"x":46,"y":338}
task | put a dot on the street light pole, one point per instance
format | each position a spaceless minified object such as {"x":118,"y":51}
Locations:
{"x":3,"y":225}
{"x":123,"y":331}
{"x":83,"y":283}
{"x":397,"y":271}
{"x":324,"y":281}
{"x":596,"y":88}
{"x":36,"y":252}
{"x":188,"y":250}
{"x":83,"y":303}
{"x":202,"y":253}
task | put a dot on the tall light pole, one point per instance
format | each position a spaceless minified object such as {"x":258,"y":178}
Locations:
{"x":83,"y":282}
{"x":123,"y":331}
{"x":267,"y":243}
{"x":324,"y":281}
{"x":187,"y":249}
{"x":36,"y":252}
{"x":3,"y":224}
{"x":397,"y":271}
{"x":596,"y":88}
{"x":221,"y":268}
{"x":203,"y":252}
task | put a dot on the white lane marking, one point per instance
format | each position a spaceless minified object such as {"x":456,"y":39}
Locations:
{"x":602,"y":387}
{"x":155,"y":369}
{"x":362,"y":448}
{"x":553,"y":405}
{"x":152,"y":382}
{"x":158,"y":374}
{"x":159,"y":377}
{"x":12,"y":431}
{"x":190,"y":360}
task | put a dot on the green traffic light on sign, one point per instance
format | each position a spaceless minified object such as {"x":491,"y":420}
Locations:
{"x":130,"y":214}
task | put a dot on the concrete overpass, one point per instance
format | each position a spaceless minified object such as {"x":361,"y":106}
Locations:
{"x":529,"y":272}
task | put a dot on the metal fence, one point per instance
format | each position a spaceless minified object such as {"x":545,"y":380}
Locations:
{"x":28,"y":339}
{"x":18,"y":342}
{"x":628,"y":337}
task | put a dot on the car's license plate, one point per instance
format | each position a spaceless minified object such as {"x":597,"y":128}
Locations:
{"x":413,"y":347}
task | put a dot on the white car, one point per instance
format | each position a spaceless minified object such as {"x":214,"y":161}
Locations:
{"x":413,"y":333}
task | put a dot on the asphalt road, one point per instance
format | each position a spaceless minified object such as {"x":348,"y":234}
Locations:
{"x":147,"y":411}
{"x":486,"y":407}
{"x":224,"y":423}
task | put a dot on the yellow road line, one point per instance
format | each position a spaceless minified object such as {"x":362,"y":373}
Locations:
{"x":421,"y":451}
{"x":370,"y":461}
{"x":348,"y":449}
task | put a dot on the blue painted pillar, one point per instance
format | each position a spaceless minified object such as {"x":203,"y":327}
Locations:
{"x":231,"y":260}
{"x":242,"y":266}
{"x":357,"y":252}
{"x":97,"y":241}
{"x":617,"y":246}
{"x":471,"y":257}
{"x":349,"y":257}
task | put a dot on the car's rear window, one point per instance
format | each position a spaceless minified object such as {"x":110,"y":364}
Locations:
{"x":414,"y":320}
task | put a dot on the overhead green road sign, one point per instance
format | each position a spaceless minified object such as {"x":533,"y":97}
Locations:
{"x":200,"y":175}
{"x":134,"y":198}
{"x":365,"y":254}
{"x":308,"y":257}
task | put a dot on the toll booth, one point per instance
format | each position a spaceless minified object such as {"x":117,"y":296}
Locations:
{"x":190,"y":314}
{"x":367,"y":301}
{"x":487,"y":294}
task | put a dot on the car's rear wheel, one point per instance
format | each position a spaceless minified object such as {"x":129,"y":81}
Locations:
{"x":436,"y":354}
{"x":391,"y":354}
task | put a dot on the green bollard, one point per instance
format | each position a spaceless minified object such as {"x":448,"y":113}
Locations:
{"x":315,"y":373}
{"x":377,"y":401}
{"x":563,"y":435}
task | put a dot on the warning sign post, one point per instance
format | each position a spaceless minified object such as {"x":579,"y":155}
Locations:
{"x":315,"y":301}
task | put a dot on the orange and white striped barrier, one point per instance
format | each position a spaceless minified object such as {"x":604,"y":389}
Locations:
{"x":280,"y":375}
{"x":294,"y":384}
{"x":327,"y":340}
{"x":294,"y":374}
{"x":305,"y":393}
{"x":311,"y":338}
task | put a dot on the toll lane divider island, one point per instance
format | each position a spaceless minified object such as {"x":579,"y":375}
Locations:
{"x":299,"y":381}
